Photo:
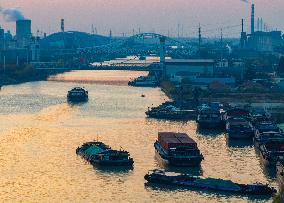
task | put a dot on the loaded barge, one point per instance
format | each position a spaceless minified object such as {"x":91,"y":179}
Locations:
{"x":178,"y":149}
{"x":184,"y":180}
{"x":98,"y":153}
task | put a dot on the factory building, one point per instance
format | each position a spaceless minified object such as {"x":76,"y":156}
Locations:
{"x":188,"y":68}
{"x":2,"y":39}
{"x":261,"y":41}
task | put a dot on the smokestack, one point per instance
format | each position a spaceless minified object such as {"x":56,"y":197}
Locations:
{"x":252,"y":19}
{"x":62,"y":25}
{"x":242,"y":25}
{"x":162,"y":50}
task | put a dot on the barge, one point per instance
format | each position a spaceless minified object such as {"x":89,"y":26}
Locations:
{"x":98,"y":153}
{"x":272,"y":151}
{"x":209,"y":118}
{"x":178,"y":149}
{"x":184,"y":180}
{"x":239,"y":128}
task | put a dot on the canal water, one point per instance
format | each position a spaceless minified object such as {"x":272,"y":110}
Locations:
{"x":39,"y":133}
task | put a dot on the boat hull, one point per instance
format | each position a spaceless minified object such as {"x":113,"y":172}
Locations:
{"x":240,"y":135}
{"x":210,"y":124}
{"x":129,"y":162}
{"x":193,"y":161}
{"x":197,"y":183}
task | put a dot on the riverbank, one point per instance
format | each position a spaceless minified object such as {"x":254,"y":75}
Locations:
{"x":27,"y":73}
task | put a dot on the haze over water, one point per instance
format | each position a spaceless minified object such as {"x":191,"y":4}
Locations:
{"x":40,"y":133}
{"x":161,"y":16}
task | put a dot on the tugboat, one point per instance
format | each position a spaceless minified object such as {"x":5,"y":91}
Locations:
{"x":239,"y":128}
{"x":209,"y":118}
{"x":184,"y":180}
{"x":77,"y":94}
{"x":272,"y":151}
{"x":178,"y":149}
{"x":98,"y":153}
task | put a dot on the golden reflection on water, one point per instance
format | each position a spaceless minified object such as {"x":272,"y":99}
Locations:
{"x":37,"y":148}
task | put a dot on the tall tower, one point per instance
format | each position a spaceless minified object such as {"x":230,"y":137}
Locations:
{"x":243,"y":36}
{"x":199,"y":36}
{"x":252,"y":19}
{"x":163,"y":55}
{"x":62,"y":25}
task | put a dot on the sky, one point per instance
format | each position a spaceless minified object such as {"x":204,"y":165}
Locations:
{"x":160,"y":16}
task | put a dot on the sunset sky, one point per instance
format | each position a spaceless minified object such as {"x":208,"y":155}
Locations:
{"x":161,"y":16}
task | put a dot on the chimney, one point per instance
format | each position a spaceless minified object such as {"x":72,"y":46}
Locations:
{"x":62,"y":25}
{"x":252,"y":19}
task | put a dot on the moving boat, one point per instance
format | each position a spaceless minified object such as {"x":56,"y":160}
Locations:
{"x":98,"y":153}
{"x":239,"y":128}
{"x":178,"y":149}
{"x":184,"y":180}
{"x":272,"y":151}
{"x":77,"y":94}
{"x":209,"y":118}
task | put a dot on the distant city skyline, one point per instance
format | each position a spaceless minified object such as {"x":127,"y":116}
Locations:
{"x":168,"y":17}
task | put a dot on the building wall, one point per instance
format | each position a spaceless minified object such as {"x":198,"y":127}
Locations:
{"x":187,"y":69}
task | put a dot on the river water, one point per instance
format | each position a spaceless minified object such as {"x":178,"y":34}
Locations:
{"x":39,"y":133}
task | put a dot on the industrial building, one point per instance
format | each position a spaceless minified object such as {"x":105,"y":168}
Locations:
{"x":23,"y":33}
{"x":178,"y":69}
{"x":261,"y":41}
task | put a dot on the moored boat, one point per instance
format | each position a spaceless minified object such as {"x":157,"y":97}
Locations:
{"x":184,"y":180}
{"x":280,"y":172}
{"x":237,"y":113}
{"x":170,"y":112}
{"x":144,"y":81}
{"x":272,"y":151}
{"x":77,"y":94}
{"x":266,"y":126}
{"x":209,"y":118}
{"x":178,"y":149}
{"x":264,"y":137}
{"x":239,"y":128}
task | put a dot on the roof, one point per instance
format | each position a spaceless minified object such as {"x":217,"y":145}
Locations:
{"x":191,"y":61}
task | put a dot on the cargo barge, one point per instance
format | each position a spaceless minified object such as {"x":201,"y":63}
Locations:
{"x":178,"y":149}
{"x":98,"y":153}
{"x":239,"y":128}
{"x":209,"y":118}
{"x":184,"y":180}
